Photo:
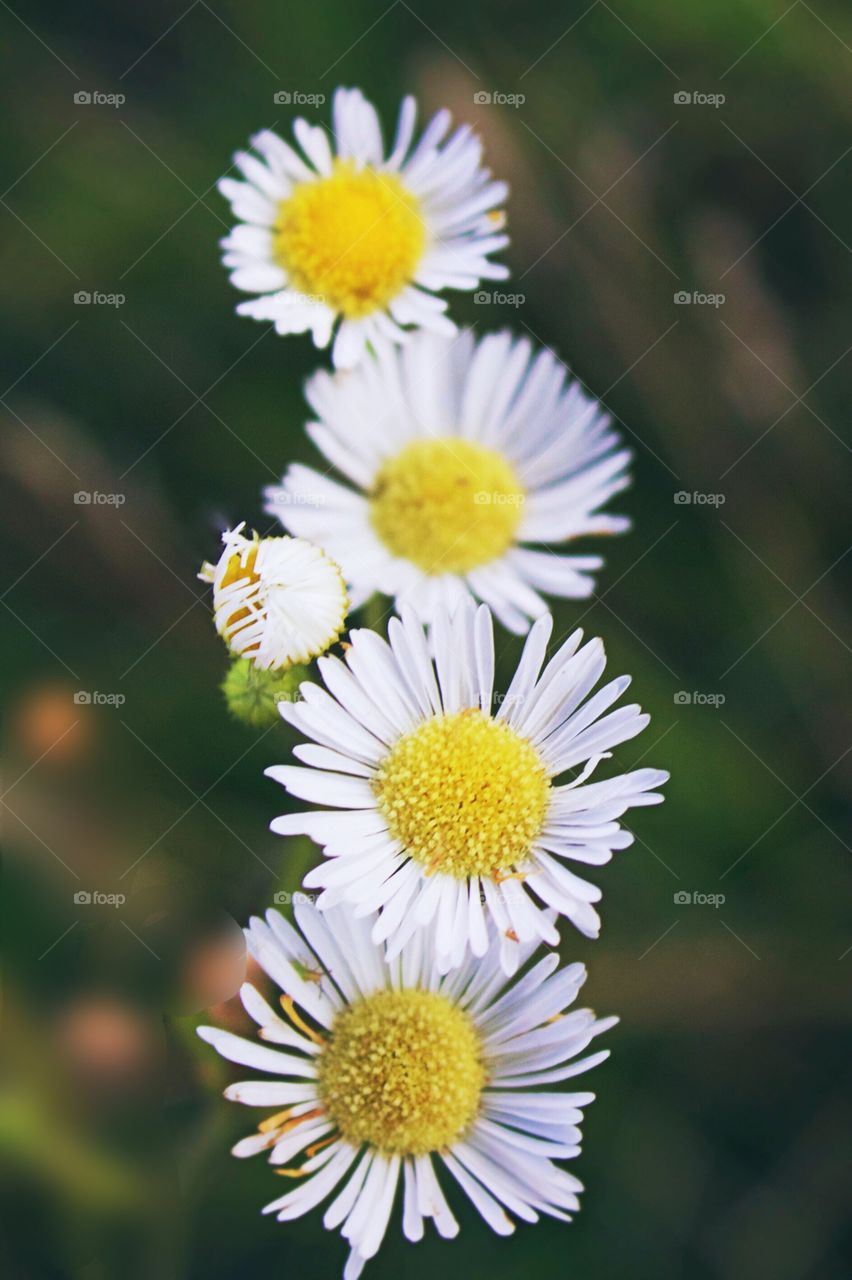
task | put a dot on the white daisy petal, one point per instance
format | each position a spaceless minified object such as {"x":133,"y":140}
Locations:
{"x":355,"y":1264}
{"x":412,"y":1219}
{"x":431,"y":1200}
{"x":260,"y":1093}
{"x":368,"y":1205}
{"x":492,"y":1173}
{"x":248,"y":1054}
{"x":296,"y":1141}
{"x":341,"y":1207}
{"x":491,"y":1211}
{"x":296,"y":1203}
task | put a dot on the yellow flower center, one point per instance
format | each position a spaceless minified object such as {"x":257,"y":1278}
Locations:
{"x":464,"y":794}
{"x":353,"y":239}
{"x":447,"y":505}
{"x":403,"y":1072}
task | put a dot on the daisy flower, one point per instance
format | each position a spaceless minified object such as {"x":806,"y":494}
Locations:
{"x":457,"y":454}
{"x":387,"y":1069}
{"x":346,"y":234}
{"x":277,"y":601}
{"x":436,"y":804}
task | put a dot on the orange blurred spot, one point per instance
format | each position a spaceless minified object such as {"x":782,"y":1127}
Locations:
{"x":51,"y":725}
{"x":230,"y":1014}
{"x":214,"y":973}
{"x":103,"y":1038}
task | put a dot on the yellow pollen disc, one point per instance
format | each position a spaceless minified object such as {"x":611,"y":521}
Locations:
{"x":447,"y":505}
{"x":353,"y":239}
{"x":403,"y":1072}
{"x":464,"y":794}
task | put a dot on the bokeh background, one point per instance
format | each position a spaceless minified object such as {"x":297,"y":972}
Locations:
{"x":716,"y":1147}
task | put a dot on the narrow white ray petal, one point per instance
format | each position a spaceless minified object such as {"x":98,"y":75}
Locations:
{"x":412,"y":1220}
{"x":368,"y":1245}
{"x":341,"y":1207}
{"x":269,"y":1093}
{"x":368,"y":1202}
{"x":431,"y":1201}
{"x":508,"y":1189}
{"x":306,"y":1196}
{"x":248,"y":1054}
{"x":297,"y":1139}
{"x":493,"y":1213}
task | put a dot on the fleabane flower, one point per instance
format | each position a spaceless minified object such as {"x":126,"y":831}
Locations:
{"x":437,"y":803}
{"x":349,"y":235}
{"x":458,"y":454}
{"x":276,"y":601}
{"x":385,"y":1070}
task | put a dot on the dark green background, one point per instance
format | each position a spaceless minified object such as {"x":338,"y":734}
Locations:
{"x":718,"y":1146}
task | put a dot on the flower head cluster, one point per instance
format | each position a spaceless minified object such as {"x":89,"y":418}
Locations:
{"x":344,"y":234}
{"x":416,"y":1037}
{"x":278,"y":601}
{"x":382,"y":1069}
{"x":457,"y":455}
{"x":437,"y":806}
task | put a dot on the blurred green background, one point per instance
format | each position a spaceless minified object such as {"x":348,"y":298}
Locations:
{"x":716,"y":1147}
